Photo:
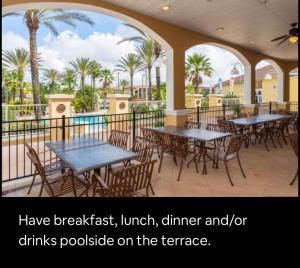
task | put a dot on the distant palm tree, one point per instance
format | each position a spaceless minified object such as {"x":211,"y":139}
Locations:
{"x":106,"y":78}
{"x":131,"y":64}
{"x":9,"y":86}
{"x":195,"y":66}
{"x":69,"y":79}
{"x":146,"y":53}
{"x":34,"y":19}
{"x":94,"y":72}
{"x":124,"y":83}
{"x":52,"y":76}
{"x":82,"y":68}
{"x":158,"y":52}
{"x":17,"y":60}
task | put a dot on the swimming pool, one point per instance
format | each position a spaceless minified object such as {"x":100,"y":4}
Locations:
{"x":89,"y":121}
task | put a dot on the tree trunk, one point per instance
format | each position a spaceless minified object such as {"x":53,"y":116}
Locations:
{"x":131,"y":85}
{"x":83,"y":93}
{"x":94,"y":94}
{"x":21,"y":77}
{"x":158,"y":83}
{"x":149,"y":84}
{"x":34,"y":66}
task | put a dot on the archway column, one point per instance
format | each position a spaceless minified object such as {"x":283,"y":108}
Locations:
{"x":176,"y":114}
{"x":252,"y":85}
{"x":286,"y":86}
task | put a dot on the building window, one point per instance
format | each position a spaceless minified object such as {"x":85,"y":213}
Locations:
{"x":259,"y":97}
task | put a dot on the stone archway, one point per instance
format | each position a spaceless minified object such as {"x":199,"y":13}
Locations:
{"x":280,"y":79}
{"x":244,"y":61}
{"x":98,"y":9}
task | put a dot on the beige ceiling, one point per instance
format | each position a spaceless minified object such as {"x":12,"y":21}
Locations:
{"x":244,"y":21}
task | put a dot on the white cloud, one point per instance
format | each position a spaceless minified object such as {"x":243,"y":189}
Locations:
{"x":11,"y":40}
{"x":222,"y":61}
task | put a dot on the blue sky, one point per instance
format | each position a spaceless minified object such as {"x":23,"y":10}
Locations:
{"x":103,"y":23}
{"x":100,"y":43}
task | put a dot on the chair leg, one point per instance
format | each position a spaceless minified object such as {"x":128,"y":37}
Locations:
{"x":228,"y":173}
{"x":73,"y":184}
{"x":32,"y":182}
{"x":41,"y":190}
{"x":296,"y":175}
{"x":278,"y":139}
{"x":283,"y":137}
{"x":271,"y":136}
{"x":238,"y":158}
{"x":160,"y":161}
{"x":151,"y":188}
{"x":180,"y":169}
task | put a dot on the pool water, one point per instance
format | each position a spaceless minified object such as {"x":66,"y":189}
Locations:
{"x":90,"y":121}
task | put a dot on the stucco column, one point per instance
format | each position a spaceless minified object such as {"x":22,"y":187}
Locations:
{"x":252,"y":85}
{"x":118,"y":110}
{"x":176,"y":114}
{"x":59,"y":105}
{"x":286,"y":86}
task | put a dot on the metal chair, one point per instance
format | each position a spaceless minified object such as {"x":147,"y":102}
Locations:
{"x":230,"y":153}
{"x":55,"y":165}
{"x":119,"y":138}
{"x":126,"y":182}
{"x":294,"y":142}
{"x":58,"y":184}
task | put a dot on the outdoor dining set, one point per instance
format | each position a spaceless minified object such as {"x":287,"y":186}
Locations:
{"x":84,"y":166}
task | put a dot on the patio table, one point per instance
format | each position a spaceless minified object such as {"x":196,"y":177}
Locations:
{"x":201,"y":135}
{"x":259,"y":119}
{"x":84,"y":154}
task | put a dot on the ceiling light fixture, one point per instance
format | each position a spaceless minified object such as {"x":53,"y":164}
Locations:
{"x":165,"y":8}
{"x":252,"y":42}
{"x":220,"y":29}
{"x":293,"y":39}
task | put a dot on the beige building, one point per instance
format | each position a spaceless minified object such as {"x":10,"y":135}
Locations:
{"x":266,"y":85}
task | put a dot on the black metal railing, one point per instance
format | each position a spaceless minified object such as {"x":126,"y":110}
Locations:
{"x":15,"y":163}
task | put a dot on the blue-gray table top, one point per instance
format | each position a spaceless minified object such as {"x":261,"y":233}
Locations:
{"x":193,"y":133}
{"x":73,"y":144}
{"x":259,"y":119}
{"x":90,"y":154}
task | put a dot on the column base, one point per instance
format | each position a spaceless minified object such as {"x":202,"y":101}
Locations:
{"x":251,"y":109}
{"x":176,"y":118}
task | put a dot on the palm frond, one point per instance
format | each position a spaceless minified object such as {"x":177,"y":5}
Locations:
{"x":11,"y":14}
{"x":51,"y":27}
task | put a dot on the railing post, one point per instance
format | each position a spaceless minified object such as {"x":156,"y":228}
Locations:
{"x":198,"y":114}
{"x":223,"y":110}
{"x":270,"y":107}
{"x":63,"y":126}
{"x":133,"y":126}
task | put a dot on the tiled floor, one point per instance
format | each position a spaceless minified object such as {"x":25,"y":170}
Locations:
{"x":268,"y":174}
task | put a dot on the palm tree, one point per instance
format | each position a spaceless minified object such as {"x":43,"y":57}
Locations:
{"x":94,"y":72}
{"x":17,"y":60}
{"x":124,"y":83}
{"x":69,"y":79}
{"x":146,"y":53}
{"x":106,"y":78}
{"x":9,"y":85}
{"x":82,"y":68}
{"x":34,"y":19}
{"x":52,"y":76}
{"x":158,"y":52}
{"x":195,"y":66}
{"x":131,"y":63}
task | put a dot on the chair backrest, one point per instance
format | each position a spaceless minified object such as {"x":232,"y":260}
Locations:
{"x":127,"y":181}
{"x":213,"y":127}
{"x":119,"y":138}
{"x":40,"y":169}
{"x":149,"y":134}
{"x":294,"y":142}
{"x":179,"y":145}
{"x":191,"y":124}
{"x":143,"y":148}
{"x":229,"y":116}
{"x":229,"y":126}
{"x":234,"y":145}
